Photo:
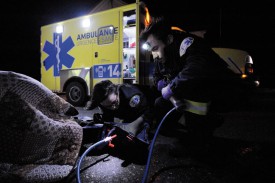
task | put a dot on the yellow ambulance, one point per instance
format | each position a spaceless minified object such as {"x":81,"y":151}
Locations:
{"x":79,"y":52}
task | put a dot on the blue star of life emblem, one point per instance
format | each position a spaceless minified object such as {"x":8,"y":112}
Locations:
{"x":58,"y":53}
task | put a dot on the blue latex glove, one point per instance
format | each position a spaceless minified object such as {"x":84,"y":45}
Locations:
{"x":166,"y":92}
{"x":161,"y":84}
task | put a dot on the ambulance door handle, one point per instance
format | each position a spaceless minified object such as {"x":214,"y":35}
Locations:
{"x":96,"y":54}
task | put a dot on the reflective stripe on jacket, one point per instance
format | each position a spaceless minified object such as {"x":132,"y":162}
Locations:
{"x":200,"y":108}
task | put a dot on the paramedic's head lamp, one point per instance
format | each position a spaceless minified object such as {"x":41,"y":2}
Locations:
{"x":147,"y":46}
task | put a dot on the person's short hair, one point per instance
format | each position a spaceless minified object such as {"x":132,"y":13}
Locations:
{"x":160,"y":27}
{"x":101,"y":91}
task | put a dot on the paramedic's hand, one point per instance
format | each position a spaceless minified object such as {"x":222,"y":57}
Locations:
{"x":88,"y":105}
{"x":161,"y":84}
{"x":166,"y":92}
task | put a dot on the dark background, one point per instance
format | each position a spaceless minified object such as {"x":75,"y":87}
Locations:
{"x":250,"y":27}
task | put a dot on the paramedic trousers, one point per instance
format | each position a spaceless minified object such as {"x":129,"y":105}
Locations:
{"x":199,"y":128}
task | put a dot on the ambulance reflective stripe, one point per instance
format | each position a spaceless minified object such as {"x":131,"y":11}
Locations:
{"x":199,"y":108}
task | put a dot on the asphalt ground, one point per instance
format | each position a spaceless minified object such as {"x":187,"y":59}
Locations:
{"x":242,"y":150}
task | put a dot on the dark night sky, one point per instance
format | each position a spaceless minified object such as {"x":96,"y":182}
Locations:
{"x":250,"y":27}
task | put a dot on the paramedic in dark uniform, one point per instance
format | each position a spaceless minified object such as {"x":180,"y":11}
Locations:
{"x":125,"y":102}
{"x":188,"y":70}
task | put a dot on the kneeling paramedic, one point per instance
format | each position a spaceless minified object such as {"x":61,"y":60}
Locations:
{"x":127,"y":103}
{"x":188,"y":70}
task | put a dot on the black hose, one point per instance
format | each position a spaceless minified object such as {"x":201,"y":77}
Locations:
{"x":152,"y":146}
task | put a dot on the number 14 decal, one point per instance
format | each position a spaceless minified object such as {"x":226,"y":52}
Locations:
{"x":114,"y":71}
{"x":107,"y":71}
